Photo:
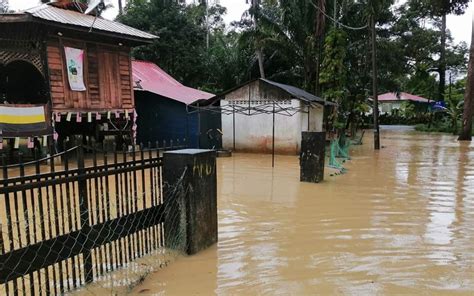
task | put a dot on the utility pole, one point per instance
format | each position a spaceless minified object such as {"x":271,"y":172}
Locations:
{"x":374,"y":85}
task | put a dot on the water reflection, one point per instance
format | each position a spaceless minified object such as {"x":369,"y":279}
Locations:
{"x":399,"y":222}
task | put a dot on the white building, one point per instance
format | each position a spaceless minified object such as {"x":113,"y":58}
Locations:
{"x":389,"y":102}
{"x":263,"y":113}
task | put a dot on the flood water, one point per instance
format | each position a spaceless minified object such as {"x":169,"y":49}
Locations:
{"x":400,"y":221}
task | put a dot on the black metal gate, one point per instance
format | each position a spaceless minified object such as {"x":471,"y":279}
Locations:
{"x":68,"y":219}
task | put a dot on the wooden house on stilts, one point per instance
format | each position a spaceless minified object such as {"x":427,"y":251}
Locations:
{"x":65,"y":73}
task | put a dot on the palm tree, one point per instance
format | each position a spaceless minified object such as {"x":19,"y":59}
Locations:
{"x":291,"y":32}
{"x":255,"y":12}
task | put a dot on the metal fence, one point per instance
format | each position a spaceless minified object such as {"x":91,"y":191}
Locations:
{"x":68,"y":219}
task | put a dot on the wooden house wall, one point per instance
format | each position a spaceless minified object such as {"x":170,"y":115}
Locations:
{"x":107,"y":76}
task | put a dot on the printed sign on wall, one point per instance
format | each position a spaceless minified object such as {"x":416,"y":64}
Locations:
{"x":75,"y":68}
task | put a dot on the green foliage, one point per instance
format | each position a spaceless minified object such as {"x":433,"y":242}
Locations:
{"x":228,"y":62}
{"x":333,"y":75}
{"x":180,"y":48}
{"x":409,"y":109}
{"x":449,"y":120}
{"x":440,"y":7}
{"x":285,"y":31}
{"x":299,"y":46}
{"x":441,"y":126}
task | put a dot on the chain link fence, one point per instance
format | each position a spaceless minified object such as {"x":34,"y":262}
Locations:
{"x":70,"y":219}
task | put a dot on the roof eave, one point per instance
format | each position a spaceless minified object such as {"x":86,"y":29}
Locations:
{"x":134,"y":39}
{"x":15,"y":18}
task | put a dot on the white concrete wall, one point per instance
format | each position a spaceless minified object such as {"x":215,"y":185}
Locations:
{"x":254,"y":133}
{"x":388,"y":107}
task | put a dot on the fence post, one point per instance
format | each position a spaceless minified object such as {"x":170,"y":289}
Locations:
{"x":84,"y":213}
{"x":190,"y":199}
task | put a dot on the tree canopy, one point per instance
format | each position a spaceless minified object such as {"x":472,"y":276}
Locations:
{"x":307,"y":43}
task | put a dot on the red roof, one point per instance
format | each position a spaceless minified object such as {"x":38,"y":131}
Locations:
{"x":403,"y":97}
{"x":148,"y":76}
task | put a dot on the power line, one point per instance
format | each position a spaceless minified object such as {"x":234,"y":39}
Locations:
{"x":336,"y":21}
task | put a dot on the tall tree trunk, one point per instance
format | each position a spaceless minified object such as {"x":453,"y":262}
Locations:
{"x":442,"y":60}
{"x":258,"y":50}
{"x":320,"y":24}
{"x":317,"y":67}
{"x":120,"y":6}
{"x":466,"y":132}
{"x":260,"y":62}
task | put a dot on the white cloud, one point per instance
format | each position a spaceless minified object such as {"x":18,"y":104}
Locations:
{"x":461,"y":25}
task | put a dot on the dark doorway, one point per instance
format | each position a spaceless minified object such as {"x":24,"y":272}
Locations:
{"x":22,"y":83}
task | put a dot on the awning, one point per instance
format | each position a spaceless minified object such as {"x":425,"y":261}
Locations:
{"x":148,"y":76}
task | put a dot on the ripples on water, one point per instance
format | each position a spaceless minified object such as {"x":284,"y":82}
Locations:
{"x":400,"y":221}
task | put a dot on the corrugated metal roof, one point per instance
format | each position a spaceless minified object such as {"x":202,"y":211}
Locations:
{"x":149,"y":77}
{"x":297,"y":92}
{"x":403,"y":96}
{"x":69,"y":17}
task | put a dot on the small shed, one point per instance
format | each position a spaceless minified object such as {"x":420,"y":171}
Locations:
{"x":76,"y":66}
{"x":161,"y":103}
{"x":264,"y":116}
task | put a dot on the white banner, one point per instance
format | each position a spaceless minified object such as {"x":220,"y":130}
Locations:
{"x":75,"y":68}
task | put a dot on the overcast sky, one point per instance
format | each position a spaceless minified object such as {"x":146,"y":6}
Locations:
{"x":460,"y":26}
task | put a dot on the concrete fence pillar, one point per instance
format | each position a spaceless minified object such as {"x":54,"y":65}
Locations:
{"x":312,"y":156}
{"x":190,"y":199}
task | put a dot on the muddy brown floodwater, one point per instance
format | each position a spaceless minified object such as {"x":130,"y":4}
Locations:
{"x":401,"y":221}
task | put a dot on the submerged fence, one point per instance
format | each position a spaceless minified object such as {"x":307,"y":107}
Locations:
{"x":67,"y":219}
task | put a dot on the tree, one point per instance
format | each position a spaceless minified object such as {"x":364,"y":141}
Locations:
{"x":440,"y":9}
{"x":120,"y":6}
{"x":3,"y":6}
{"x":289,"y":34}
{"x":258,"y":43}
{"x":410,"y":55}
{"x":333,"y":69}
{"x":227,"y":62}
{"x":254,"y":32}
{"x":180,"y":49}
{"x":466,"y":131}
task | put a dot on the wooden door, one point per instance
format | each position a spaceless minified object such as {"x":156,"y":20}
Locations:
{"x":109,"y":77}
